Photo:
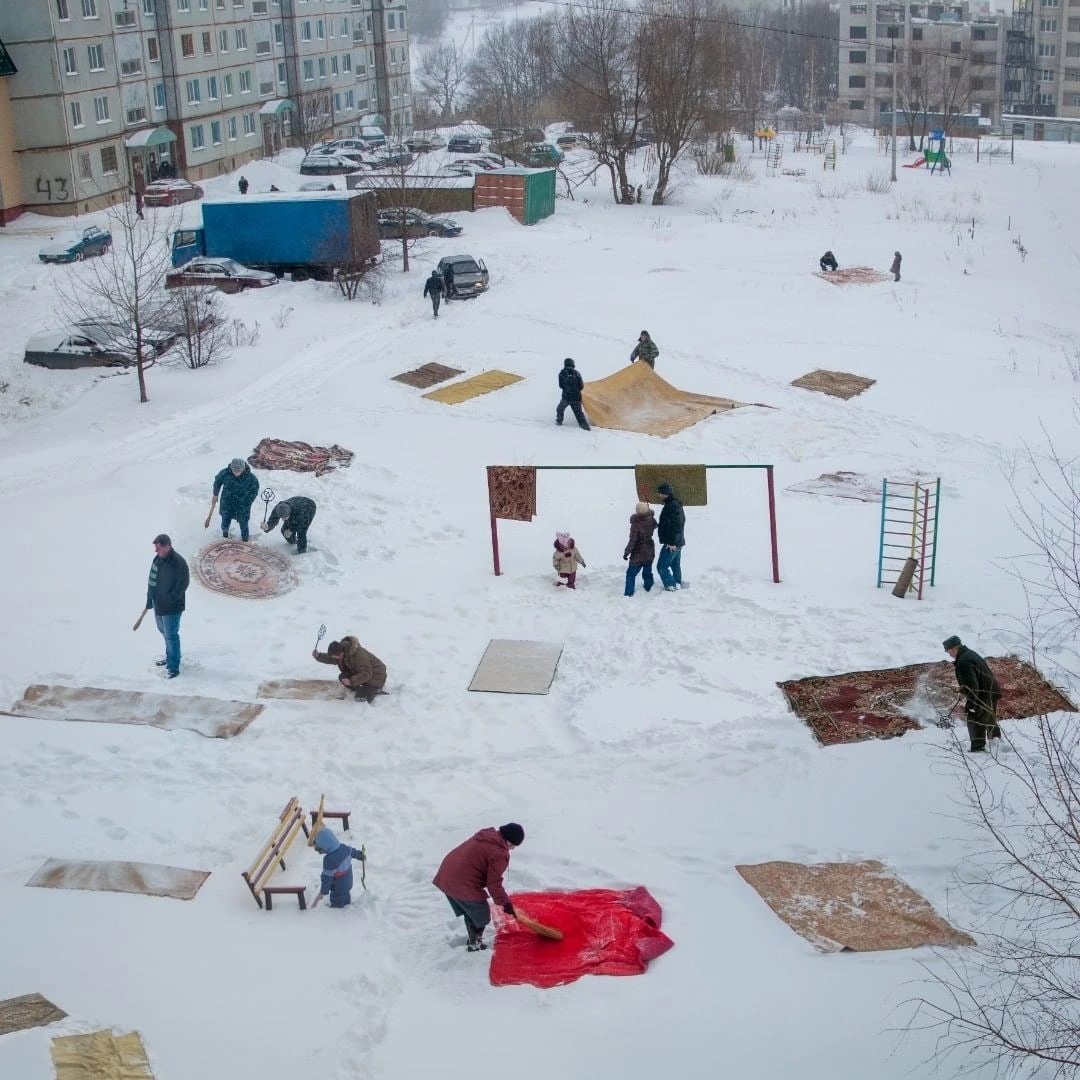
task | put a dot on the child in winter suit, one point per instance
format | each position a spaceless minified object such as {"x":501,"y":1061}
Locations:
{"x":337,"y":875}
{"x":565,"y":559}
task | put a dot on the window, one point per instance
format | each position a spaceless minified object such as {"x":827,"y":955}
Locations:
{"x":258,"y":7}
{"x":219,"y":4}
{"x":916,"y":57}
{"x":232,"y":128}
{"x":884,"y":56}
{"x":954,"y":47}
{"x":401,"y":26}
{"x":215,"y":132}
{"x":1072,"y":75}
{"x":1047,"y":75}
{"x":345,"y":26}
{"x":263,"y":48}
{"x":857,"y":56}
{"x":322,"y":67}
{"x":393,"y":55}
{"x":1073,"y":26}
{"x":371,"y":59}
{"x":130,"y":67}
{"x":124,"y":18}
{"x":346,"y":64}
{"x":266,"y":89}
{"x":207,"y":43}
{"x":211,"y":88}
{"x":1050,"y":3}
{"x":241,"y":38}
{"x":70,"y":67}
{"x":857,"y":33}
{"x":916,"y":83}
{"x":320,"y":29}
{"x":916,"y":33}
{"x":1047,"y":50}
{"x":76,"y":115}
{"x":883,"y":82}
{"x":198,"y":137}
{"x":305,"y":31}
{"x":1046,"y":99}
{"x":152,"y":50}
{"x":279,"y":34}
{"x":856,"y":82}
{"x":350,"y":99}
{"x":101,"y":110}
{"x":332,"y":25}
{"x":1048,"y":26}
{"x":361,"y":67}
{"x":194,"y":92}
{"x":245,"y":82}
{"x":390,"y":21}
{"x":228,"y":83}
{"x":204,"y":5}
{"x":282,"y":74}
{"x":96,"y":55}
{"x":333,"y":67}
{"x":159,"y":96}
{"x":309,"y":71}
{"x":89,"y":9}
{"x":187,"y":45}
{"x":249,"y":123}
{"x":884,"y":106}
{"x":148,"y":8}
{"x":108,"y":160}
{"x":136,"y":115}
{"x":1072,"y":50}
{"x":371,"y":26}
{"x":237,"y":3}
{"x":337,"y":103}
{"x":183,"y":5}
{"x":85,"y":171}
{"x":981,"y":33}
{"x":1072,"y":100}
{"x":223,"y":41}
{"x":62,"y":12}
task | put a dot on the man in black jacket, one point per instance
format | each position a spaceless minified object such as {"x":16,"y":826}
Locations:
{"x":571,"y":384}
{"x":295,"y":514}
{"x":237,"y":487}
{"x":165,"y":589}
{"x":670,"y":533}
{"x":435,"y":287}
{"x":981,"y":693}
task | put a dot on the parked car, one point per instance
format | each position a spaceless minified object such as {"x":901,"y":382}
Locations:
{"x":468,"y":167}
{"x":224,"y":274}
{"x":171,"y":193}
{"x":464,"y":276}
{"x":572,"y":140}
{"x":88,"y":344}
{"x":335,"y":146}
{"x":327,"y":165}
{"x":417,"y":223}
{"x":318,"y":185}
{"x":421,"y":142}
{"x":464,"y":144}
{"x":92,"y":241}
{"x":373,"y":136}
{"x":539,"y":154}
{"x":393,"y":154}
{"x":157,"y":336}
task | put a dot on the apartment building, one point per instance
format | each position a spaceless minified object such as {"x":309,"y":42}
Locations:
{"x":943,"y":58}
{"x":1055,"y":28}
{"x":108,"y":93}
{"x":10,"y":178}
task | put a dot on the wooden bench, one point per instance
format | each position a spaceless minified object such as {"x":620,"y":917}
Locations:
{"x":272,"y":856}
{"x":338,"y":815}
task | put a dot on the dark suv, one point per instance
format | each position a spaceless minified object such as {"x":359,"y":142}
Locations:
{"x":464,"y":144}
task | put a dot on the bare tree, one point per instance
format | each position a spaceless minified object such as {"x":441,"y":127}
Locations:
{"x":599,"y":84}
{"x":314,"y":121}
{"x":123,"y":291}
{"x":511,"y":72}
{"x":442,"y":74}
{"x":195,"y":314}
{"x":674,"y":52}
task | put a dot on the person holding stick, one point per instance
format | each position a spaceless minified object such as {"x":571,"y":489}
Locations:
{"x":295,"y":514}
{"x":166,"y":588}
{"x":238,"y":486}
{"x":361,"y":671}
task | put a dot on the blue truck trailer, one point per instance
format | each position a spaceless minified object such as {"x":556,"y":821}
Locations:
{"x":304,"y":234}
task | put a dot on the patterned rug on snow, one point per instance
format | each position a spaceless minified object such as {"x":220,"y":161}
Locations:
{"x":427,"y":375}
{"x":853,"y":275}
{"x":841,"y":384}
{"x":28,"y":1011}
{"x":884,"y":704}
{"x":299,"y":456}
{"x":243,"y":569}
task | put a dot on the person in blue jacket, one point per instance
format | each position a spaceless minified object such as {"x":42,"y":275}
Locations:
{"x":337,"y":875}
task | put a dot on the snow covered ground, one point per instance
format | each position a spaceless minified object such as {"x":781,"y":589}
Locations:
{"x":664,"y":754}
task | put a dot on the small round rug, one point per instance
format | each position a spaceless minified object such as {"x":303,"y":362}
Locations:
{"x":244,"y":569}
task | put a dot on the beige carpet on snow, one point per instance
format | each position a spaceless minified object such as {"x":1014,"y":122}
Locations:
{"x":302,"y":690}
{"x":517,"y":667}
{"x":101,"y":1055}
{"x":850,"y":907}
{"x":88,"y":875}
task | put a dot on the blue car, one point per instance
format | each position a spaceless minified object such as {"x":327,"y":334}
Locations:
{"x":93,"y":241}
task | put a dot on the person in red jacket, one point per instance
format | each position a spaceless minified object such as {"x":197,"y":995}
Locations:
{"x":473,"y":871}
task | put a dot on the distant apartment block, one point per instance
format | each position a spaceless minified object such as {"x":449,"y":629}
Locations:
{"x":108,"y":93}
{"x":943,"y":58}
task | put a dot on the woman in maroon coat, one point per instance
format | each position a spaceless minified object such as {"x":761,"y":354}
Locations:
{"x":473,"y":871}
{"x":640,"y":549}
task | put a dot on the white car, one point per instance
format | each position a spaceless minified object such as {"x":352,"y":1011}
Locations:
{"x":327,"y":165}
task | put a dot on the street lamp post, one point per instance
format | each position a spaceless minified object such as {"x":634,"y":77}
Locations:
{"x":893,"y":176}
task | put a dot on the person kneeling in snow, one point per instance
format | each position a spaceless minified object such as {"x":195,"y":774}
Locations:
{"x":828,"y":262}
{"x":565,"y":558}
{"x":295,"y":514}
{"x":361,"y":671}
{"x":337,"y":876}
{"x":473,"y":871}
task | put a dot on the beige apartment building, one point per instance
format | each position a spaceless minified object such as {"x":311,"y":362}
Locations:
{"x":10,"y":180}
{"x":942,"y":56}
{"x":108,"y":93}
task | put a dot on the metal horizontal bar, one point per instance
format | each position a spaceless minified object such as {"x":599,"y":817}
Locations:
{"x":578,"y":468}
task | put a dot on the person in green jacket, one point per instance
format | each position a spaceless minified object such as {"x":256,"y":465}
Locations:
{"x":645,"y":349}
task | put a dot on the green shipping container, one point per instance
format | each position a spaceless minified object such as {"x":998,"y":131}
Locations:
{"x":529,"y":194}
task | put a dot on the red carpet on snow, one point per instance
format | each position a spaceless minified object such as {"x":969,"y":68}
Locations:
{"x":605,"y":932}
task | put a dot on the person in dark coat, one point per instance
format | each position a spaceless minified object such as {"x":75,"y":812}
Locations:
{"x":337,"y":874}
{"x":435,"y":287}
{"x":895,"y":268}
{"x":237,"y":486}
{"x":645,"y":349}
{"x":361,"y":671}
{"x":473,"y":871}
{"x":166,"y":588}
{"x":670,"y":531}
{"x":242,"y":184}
{"x":295,"y":514}
{"x":640,"y":549}
{"x":828,"y":262}
{"x":571,"y":384}
{"x":981,"y":691}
